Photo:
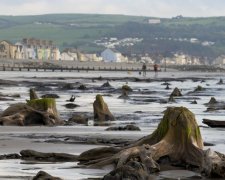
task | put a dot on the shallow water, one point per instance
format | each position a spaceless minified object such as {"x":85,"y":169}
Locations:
{"x":146,"y":114}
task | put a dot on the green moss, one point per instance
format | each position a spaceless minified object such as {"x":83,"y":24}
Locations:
{"x":162,"y":128}
{"x":42,"y":104}
{"x":100,"y":100}
{"x":188,"y":132}
{"x":181,"y":119}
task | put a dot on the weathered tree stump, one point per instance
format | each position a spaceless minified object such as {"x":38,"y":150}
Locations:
{"x":101,"y":111}
{"x":34,"y":112}
{"x":177,"y":139}
{"x":176,"y":92}
{"x":41,"y":175}
{"x":33,"y":94}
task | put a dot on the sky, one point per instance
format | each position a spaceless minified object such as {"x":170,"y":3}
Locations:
{"x":154,"y":8}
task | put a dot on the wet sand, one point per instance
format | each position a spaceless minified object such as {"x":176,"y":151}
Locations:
{"x":146,"y":115}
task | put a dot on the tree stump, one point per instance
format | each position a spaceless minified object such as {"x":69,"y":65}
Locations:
{"x":101,"y":111}
{"x":177,"y":139}
{"x":34,"y":112}
{"x":33,"y":94}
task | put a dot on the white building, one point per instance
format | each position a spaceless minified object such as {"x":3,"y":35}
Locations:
{"x":154,"y":21}
{"x":219,"y":60}
{"x":70,"y":54}
{"x":110,"y":55}
{"x":180,"y":59}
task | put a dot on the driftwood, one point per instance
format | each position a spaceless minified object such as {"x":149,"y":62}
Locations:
{"x":177,"y":140}
{"x":214,"y":123}
{"x":50,"y":157}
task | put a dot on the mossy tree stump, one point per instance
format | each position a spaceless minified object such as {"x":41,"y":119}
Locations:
{"x":101,"y":110}
{"x":34,"y":112}
{"x":176,"y":138}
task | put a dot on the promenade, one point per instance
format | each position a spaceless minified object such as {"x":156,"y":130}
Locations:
{"x":49,"y":65}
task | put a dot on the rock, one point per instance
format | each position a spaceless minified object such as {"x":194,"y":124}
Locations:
{"x":78,"y":119}
{"x":176,"y":92}
{"x":68,"y":86}
{"x":50,"y":96}
{"x":41,"y":175}
{"x":106,"y":84}
{"x":82,"y":87}
{"x":71,"y":106}
{"x":101,"y":110}
{"x":194,"y":102}
{"x":129,"y":127}
{"x":48,"y":157}
{"x":220,"y":81}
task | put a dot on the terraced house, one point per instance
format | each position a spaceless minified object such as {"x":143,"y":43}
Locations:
{"x":7,"y":50}
{"x":40,"y":49}
{"x":29,"y":48}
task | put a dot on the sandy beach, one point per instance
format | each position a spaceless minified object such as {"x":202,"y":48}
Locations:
{"x":144,"y":109}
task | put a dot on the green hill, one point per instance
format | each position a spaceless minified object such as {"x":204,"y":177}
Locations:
{"x":81,"y":30}
{"x":63,"y":29}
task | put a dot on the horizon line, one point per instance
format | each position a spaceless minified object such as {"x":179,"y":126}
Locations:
{"x":45,"y":14}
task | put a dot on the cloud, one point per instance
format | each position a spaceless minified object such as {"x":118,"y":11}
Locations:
{"x":159,"y":8}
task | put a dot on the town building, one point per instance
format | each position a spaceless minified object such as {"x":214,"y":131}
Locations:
{"x":219,"y":60}
{"x":40,"y":49}
{"x":154,"y":21}
{"x":7,"y":50}
{"x":70,"y":54}
{"x":111,"y":55}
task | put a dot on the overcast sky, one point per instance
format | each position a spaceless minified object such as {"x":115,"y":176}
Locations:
{"x":156,"y":8}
